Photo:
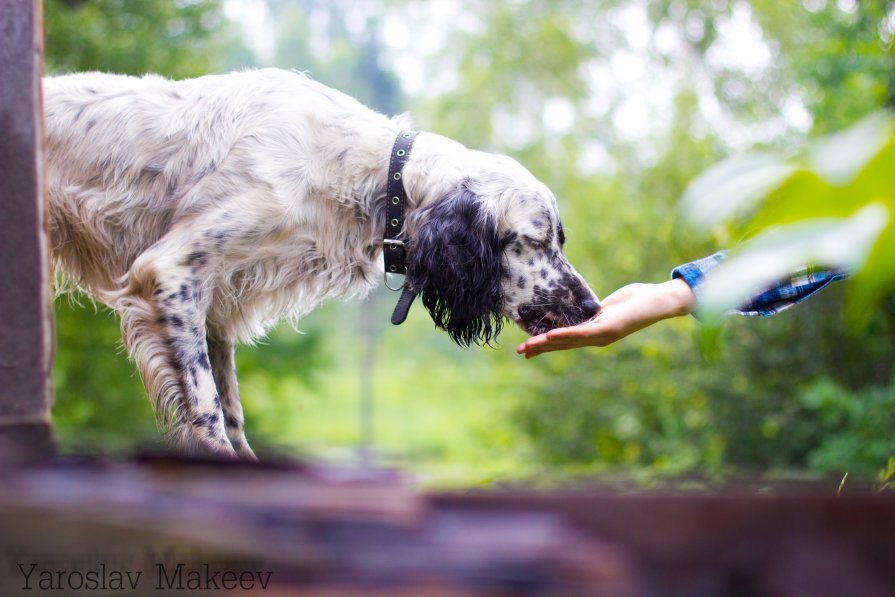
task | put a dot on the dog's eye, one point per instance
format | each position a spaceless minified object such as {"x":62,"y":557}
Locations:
{"x":536,"y":243}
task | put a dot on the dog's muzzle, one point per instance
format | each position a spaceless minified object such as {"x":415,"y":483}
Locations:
{"x":541,"y":319}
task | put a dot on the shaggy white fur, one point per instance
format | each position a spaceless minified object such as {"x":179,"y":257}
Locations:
{"x":203,"y":211}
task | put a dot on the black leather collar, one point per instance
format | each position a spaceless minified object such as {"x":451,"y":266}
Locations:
{"x":394,"y":253}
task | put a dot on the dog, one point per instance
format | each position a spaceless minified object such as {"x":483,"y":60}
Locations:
{"x":203,"y":211}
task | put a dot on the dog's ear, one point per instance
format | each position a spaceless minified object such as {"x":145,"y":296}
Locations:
{"x":455,"y":263}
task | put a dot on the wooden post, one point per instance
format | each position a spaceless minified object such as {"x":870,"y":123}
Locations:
{"x":26,"y":325}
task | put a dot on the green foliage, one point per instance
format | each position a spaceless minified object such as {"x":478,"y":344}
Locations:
{"x":843,"y":62}
{"x":627,"y":408}
{"x":854,"y":428}
{"x":765,"y":366}
{"x":887,"y":476}
{"x":175,"y":38}
{"x":100,"y":404}
{"x":653,"y":402}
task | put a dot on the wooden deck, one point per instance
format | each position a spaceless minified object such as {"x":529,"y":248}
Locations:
{"x":293,"y":528}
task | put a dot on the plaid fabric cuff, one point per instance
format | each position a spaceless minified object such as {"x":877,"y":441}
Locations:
{"x":694,"y":273}
{"x":785,"y":293}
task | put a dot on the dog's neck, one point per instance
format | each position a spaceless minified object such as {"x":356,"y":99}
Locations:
{"x":435,"y":167}
{"x":398,"y":205}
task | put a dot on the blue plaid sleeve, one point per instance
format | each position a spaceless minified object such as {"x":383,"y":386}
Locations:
{"x":785,"y":293}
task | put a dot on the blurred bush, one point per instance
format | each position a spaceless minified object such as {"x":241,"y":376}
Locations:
{"x":854,"y":428}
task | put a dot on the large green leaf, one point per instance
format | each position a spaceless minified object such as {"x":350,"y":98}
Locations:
{"x":829,"y":208}
{"x":840,"y":157}
{"x":840,"y":243}
{"x":732,"y":187}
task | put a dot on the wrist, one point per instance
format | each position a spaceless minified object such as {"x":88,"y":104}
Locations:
{"x":680,"y":297}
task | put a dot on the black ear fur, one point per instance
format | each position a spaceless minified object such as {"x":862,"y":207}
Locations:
{"x":455,"y":263}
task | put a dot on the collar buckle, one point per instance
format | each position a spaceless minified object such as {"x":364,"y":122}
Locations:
{"x":385,"y":276}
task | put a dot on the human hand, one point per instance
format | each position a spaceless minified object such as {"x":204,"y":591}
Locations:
{"x":625,"y":311}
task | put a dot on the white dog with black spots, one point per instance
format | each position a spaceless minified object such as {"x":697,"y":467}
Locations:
{"x":203,"y":211}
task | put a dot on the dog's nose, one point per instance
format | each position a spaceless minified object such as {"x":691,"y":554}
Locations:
{"x":590,"y":306}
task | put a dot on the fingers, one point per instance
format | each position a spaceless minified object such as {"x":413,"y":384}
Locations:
{"x":556,"y":338}
{"x":533,"y":351}
{"x":532,"y":343}
{"x":593,"y":333}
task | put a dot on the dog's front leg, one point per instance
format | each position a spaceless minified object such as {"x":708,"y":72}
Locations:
{"x":163,"y":326}
{"x":223,"y":368}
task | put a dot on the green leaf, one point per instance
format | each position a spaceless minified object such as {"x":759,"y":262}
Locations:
{"x":775,"y":254}
{"x":873,"y":282}
{"x":732,"y":186}
{"x":840,"y":157}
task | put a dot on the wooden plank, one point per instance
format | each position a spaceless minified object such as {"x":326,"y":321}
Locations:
{"x":317,"y":531}
{"x":801,"y":541}
{"x":26,"y":330}
{"x":307,"y":531}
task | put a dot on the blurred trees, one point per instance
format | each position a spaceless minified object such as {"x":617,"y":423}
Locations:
{"x":838,"y":55}
{"x":178,"y":38}
{"x":653,"y":401}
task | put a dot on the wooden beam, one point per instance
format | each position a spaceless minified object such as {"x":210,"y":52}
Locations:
{"x":26,"y":326}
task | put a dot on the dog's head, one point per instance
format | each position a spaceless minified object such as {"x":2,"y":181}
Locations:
{"x":491,"y":247}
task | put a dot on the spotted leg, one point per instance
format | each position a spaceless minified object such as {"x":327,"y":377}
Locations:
{"x":223,"y":368}
{"x":163,"y":325}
